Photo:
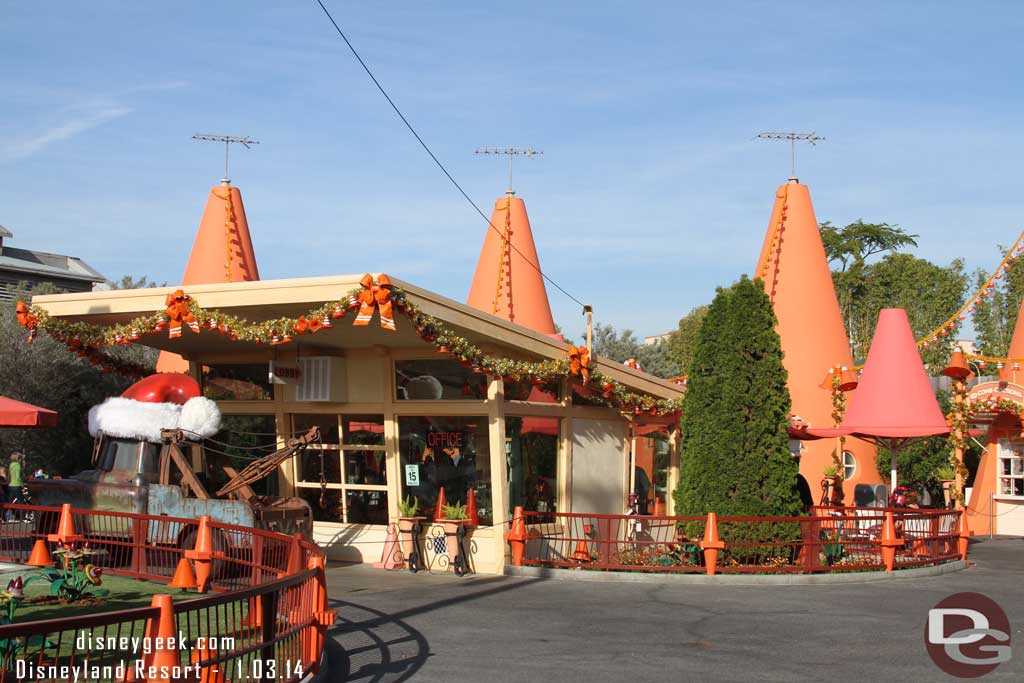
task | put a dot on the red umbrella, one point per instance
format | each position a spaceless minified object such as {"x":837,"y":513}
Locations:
{"x":894,"y":402}
{"x":17,"y":414}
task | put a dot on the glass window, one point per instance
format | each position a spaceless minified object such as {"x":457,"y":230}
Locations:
{"x":120,"y":454}
{"x":449,"y":452}
{"x":540,"y":392}
{"x":366,"y":507}
{"x":353,"y":464}
{"x":364,"y":467}
{"x":435,"y":380}
{"x":531,"y":455}
{"x":237,"y":382}
{"x":330,"y":511}
{"x":650,"y":468}
{"x":1011,"y":468}
{"x":849,"y":465}
{"x":241,"y":439}
{"x":328,"y":425}
{"x":363,"y":430}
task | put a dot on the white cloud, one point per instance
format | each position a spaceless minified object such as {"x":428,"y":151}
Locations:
{"x":30,"y":143}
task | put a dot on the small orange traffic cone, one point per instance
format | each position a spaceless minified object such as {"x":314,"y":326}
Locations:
{"x":40,"y":556}
{"x":441,"y":502}
{"x":162,"y":630}
{"x":184,"y":577}
{"x":889,"y":541}
{"x":582,"y":553}
{"x":202,"y":554}
{"x":294,"y":557}
{"x":254,"y":615}
{"x":711,"y":544}
{"x":471,"y":514}
{"x":210,"y":673}
{"x":516,"y":536}
{"x":65,"y":528}
{"x":389,"y":558}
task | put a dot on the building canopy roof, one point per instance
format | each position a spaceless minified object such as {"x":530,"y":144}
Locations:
{"x":268,"y":299}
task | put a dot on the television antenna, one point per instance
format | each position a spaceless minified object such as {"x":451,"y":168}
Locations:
{"x":228,"y":140}
{"x":793,"y":139}
{"x":511,"y":152}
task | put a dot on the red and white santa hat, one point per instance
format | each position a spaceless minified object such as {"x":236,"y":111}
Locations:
{"x":161,"y":401}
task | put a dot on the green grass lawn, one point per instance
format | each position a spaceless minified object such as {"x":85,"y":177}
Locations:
{"x":124,"y":594}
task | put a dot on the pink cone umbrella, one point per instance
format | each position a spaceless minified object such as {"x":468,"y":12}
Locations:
{"x":894,"y":403}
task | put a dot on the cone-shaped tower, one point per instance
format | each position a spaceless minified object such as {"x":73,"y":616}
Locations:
{"x":507,"y":281}
{"x":222,"y":252}
{"x":1014,"y":371}
{"x":984,"y":511}
{"x":797,"y":278}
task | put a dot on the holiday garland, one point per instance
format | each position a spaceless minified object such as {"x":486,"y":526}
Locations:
{"x":838,"y":413}
{"x":182,"y":311}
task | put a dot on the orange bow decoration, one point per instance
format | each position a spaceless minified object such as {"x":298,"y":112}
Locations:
{"x":579,"y":362}
{"x":179,"y":314}
{"x":27,"y":319}
{"x":375,"y":295}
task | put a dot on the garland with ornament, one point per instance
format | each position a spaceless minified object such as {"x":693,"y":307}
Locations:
{"x":953,"y":323}
{"x":838,"y":413}
{"x":372,"y":296}
{"x":958,"y":425}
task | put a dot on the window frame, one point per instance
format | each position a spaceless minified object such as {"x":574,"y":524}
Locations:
{"x":847,"y":474}
{"x":340,"y":449}
{"x":1010,"y":451}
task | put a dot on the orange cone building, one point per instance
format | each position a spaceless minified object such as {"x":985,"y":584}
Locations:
{"x":222,"y":252}
{"x":797,"y":278}
{"x":507,"y":281}
{"x":995,"y":505}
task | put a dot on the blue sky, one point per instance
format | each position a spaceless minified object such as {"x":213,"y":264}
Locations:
{"x":651,"y":191}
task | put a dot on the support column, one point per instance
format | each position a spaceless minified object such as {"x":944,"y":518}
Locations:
{"x":499,"y":471}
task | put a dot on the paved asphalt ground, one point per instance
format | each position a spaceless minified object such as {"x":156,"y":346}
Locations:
{"x":397,"y":627}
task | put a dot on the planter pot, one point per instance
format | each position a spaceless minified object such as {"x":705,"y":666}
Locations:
{"x":405,"y":536}
{"x":837,"y":495}
{"x":826,"y":485}
{"x":451,"y":527}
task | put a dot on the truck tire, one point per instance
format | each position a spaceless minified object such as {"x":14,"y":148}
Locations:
{"x":221,"y":568}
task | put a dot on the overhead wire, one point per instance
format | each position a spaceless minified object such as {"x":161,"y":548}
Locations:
{"x":433,"y":156}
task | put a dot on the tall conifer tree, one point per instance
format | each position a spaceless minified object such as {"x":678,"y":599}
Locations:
{"x":735,"y":457}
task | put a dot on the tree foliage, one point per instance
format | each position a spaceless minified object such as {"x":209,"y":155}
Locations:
{"x":683,"y":341}
{"x":735,"y":457}
{"x":930,"y":294}
{"x":621,"y":346}
{"x":995,"y":316}
{"x":852,"y":244}
{"x":46,"y":374}
{"x":916,"y":463}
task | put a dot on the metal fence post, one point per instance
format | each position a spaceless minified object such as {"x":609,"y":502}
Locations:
{"x":268,"y":631}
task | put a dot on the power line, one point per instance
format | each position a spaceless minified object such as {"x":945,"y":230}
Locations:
{"x":432,"y":155}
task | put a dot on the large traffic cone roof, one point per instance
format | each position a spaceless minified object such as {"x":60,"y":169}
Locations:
{"x":798,"y":280}
{"x":894,"y":399}
{"x":508,"y":281}
{"x":222,"y":252}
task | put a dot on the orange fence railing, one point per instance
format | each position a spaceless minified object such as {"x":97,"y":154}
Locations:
{"x":264,"y":618}
{"x":827,"y":540}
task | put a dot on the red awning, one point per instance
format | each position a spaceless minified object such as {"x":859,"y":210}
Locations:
{"x":17,"y":414}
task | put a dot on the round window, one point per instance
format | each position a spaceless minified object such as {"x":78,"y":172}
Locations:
{"x":849,"y":465}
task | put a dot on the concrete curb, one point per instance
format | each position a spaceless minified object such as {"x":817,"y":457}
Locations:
{"x":732,"y":579}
